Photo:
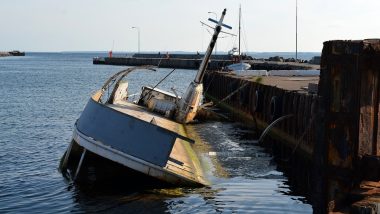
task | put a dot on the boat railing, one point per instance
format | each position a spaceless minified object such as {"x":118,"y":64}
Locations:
{"x":110,"y":86}
{"x":134,"y":97}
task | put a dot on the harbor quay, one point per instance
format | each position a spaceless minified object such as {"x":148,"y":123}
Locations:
{"x":325,"y":130}
{"x":192,"y":61}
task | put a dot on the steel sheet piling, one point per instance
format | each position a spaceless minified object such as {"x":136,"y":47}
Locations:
{"x":332,"y":130}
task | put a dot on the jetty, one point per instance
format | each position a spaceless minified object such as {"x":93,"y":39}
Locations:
{"x":192,"y":61}
{"x":12,"y":53}
{"x":326,"y":130}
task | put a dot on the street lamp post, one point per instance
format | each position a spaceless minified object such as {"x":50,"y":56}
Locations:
{"x":138,"y":39}
{"x":216,"y":18}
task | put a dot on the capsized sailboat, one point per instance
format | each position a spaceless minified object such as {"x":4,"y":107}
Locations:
{"x":146,"y":136}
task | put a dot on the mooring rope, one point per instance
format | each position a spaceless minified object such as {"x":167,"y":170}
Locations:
{"x":150,"y":91}
{"x":213,"y":76}
{"x":267,"y":129}
{"x":230,"y":95}
{"x":159,"y":62}
{"x":300,"y":140}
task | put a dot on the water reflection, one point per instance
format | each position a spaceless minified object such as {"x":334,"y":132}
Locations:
{"x":250,"y":181}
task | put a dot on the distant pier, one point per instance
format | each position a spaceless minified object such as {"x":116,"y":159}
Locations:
{"x":330,"y":142}
{"x":12,"y":53}
{"x":192,"y":61}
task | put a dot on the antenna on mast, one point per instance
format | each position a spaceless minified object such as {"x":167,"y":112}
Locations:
{"x":239,"y":30}
{"x":296,"y":30}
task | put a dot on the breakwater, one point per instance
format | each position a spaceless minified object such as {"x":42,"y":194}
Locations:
{"x":12,"y":53}
{"x":161,"y":62}
{"x":186,"y":62}
{"x":330,"y":143}
{"x":192,"y":61}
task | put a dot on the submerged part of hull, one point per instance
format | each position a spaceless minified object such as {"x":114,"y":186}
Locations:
{"x":101,"y":173}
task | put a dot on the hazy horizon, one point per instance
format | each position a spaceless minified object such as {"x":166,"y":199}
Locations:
{"x":267,"y":26}
{"x":257,"y":55}
{"x":170,"y":51}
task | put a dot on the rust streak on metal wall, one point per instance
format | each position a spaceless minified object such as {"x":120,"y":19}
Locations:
{"x":349,"y":88}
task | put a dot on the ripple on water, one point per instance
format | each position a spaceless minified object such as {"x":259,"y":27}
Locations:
{"x":240,"y":195}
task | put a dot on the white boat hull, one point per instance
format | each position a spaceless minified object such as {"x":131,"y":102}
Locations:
{"x":242,"y":66}
{"x":125,"y":134}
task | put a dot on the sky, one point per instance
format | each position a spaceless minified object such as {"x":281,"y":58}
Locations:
{"x":174,"y":25}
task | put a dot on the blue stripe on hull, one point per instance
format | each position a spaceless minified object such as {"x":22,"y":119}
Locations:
{"x":127,"y":134}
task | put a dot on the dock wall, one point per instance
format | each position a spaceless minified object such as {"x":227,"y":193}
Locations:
{"x":292,"y":141}
{"x":350,"y":133}
{"x":259,"y":105}
{"x":331,"y":144}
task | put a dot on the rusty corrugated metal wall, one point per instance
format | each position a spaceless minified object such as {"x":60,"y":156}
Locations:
{"x":349,"y":90}
{"x":346,"y":111}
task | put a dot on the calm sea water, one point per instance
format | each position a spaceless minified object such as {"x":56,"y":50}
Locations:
{"x":42,"y":94}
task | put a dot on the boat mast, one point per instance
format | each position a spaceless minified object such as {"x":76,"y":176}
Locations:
{"x":189,"y":103}
{"x":203,"y":66}
{"x":239,"y":30}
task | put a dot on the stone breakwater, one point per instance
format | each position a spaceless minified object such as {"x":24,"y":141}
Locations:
{"x":3,"y":54}
{"x":214,"y":64}
{"x":12,"y":53}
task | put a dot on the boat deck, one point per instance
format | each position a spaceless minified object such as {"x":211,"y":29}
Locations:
{"x":183,"y":160}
